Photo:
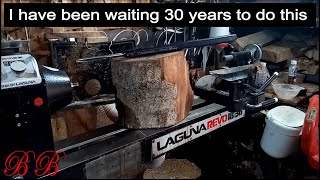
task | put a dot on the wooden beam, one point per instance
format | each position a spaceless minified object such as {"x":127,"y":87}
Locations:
{"x":97,"y":39}
{"x":101,"y":28}
{"x":76,"y":29}
{"x":282,"y":51}
{"x":261,"y":38}
{"x":142,"y":1}
{"x":75,"y":34}
{"x":41,"y":53}
{"x":316,"y":55}
{"x":60,"y":29}
{"x":66,"y":124}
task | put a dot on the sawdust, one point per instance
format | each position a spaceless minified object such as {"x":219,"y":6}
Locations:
{"x":174,"y":169}
{"x":106,"y":115}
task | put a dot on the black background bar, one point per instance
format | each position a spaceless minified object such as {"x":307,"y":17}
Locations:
{"x":159,"y":14}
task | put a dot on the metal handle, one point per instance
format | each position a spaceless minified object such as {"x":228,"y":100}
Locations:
{"x":238,"y":56}
{"x":269,"y":102}
{"x":250,"y":54}
{"x":269,"y":81}
{"x":263,"y":104}
{"x":255,"y":51}
{"x":74,"y":84}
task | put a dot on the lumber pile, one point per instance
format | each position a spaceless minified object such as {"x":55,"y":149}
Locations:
{"x":81,"y":34}
{"x":290,"y":46}
{"x":307,"y":66}
{"x":261,"y":38}
{"x":38,"y":43}
{"x":152,"y":91}
{"x":278,"y":48}
{"x":313,"y":53}
{"x":66,"y":124}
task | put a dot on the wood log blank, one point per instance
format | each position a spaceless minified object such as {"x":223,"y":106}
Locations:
{"x":152,"y":91}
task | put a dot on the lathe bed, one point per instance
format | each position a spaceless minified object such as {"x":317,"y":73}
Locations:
{"x":110,"y":151}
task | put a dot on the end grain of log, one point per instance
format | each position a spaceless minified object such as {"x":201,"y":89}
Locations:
{"x":152,"y":91}
{"x":92,"y":87}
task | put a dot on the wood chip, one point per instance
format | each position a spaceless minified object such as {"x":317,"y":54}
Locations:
{"x":174,"y":169}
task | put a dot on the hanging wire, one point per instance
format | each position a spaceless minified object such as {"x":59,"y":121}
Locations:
{"x":138,"y":40}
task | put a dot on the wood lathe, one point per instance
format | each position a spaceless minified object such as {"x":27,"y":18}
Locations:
{"x":119,"y":152}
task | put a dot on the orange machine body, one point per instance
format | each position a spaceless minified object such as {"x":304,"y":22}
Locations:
{"x":310,"y":133}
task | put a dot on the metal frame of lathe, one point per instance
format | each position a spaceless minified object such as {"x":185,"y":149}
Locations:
{"x":113,"y":152}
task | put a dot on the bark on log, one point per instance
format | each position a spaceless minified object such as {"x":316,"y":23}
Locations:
{"x":152,"y":91}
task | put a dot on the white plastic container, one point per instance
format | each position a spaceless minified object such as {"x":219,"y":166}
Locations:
{"x":219,"y":31}
{"x":286,"y":91}
{"x":282,"y":132}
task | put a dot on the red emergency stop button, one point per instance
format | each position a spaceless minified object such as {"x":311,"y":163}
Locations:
{"x":38,"y":101}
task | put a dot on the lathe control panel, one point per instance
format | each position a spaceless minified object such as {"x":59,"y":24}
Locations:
{"x":19,"y":70}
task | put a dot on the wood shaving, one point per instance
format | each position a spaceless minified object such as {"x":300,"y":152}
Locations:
{"x":174,"y":169}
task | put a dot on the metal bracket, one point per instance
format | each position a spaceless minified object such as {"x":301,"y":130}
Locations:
{"x":125,"y":163}
{"x":14,"y":44}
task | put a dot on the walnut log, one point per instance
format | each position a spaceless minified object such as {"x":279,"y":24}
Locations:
{"x":152,"y":91}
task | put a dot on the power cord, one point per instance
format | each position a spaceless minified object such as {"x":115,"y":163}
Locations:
{"x":130,"y":30}
{"x":177,"y":31}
